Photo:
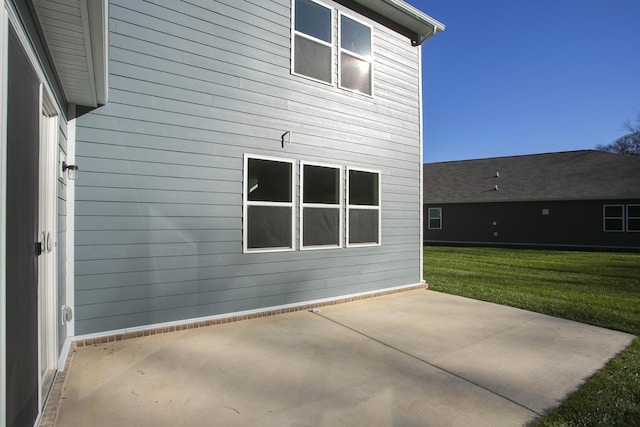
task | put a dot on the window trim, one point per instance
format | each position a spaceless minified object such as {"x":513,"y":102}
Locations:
{"x":429,"y":227}
{"x":349,"y":206}
{"x":628,"y":217}
{"x":605,"y":218}
{"x":246,"y":203}
{"x":354,"y":54}
{"x":339,"y":206}
{"x":331,"y":45}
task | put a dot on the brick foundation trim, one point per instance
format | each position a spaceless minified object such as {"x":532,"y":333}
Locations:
{"x":236,"y":318}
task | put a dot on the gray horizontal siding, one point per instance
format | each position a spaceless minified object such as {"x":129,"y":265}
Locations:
{"x":169,"y":295}
{"x":193,"y":87}
{"x":225,"y":302}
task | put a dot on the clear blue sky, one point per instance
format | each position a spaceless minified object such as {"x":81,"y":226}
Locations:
{"x":512,"y":77}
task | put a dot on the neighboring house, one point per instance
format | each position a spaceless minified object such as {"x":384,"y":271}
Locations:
{"x":235,"y":158}
{"x":578,"y":199}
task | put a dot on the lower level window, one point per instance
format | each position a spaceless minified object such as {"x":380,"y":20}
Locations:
{"x":321,"y":208}
{"x":268,"y":220}
{"x":633,"y":217}
{"x":435,"y":218}
{"x":613,"y":217}
{"x":363,"y":209}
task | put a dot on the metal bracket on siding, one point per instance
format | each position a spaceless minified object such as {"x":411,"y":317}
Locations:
{"x":288,"y":139}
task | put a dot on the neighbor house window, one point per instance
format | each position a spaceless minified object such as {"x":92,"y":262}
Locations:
{"x":355,"y":60}
{"x":268,"y":220}
{"x":363,"y":207}
{"x":313,"y":40}
{"x":633,"y":217}
{"x":613,"y":217}
{"x":435,"y":218}
{"x":321,"y":207}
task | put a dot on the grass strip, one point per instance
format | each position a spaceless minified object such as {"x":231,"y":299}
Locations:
{"x":598,"y":288}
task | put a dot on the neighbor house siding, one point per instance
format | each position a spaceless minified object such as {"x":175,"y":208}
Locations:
{"x":576,"y":223}
{"x":193,"y":88}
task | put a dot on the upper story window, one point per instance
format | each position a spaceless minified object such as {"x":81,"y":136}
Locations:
{"x":314,"y":45}
{"x":313,"y":40}
{"x":355,"y":55}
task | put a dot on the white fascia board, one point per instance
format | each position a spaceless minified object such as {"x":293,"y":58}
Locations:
{"x":416,"y":14}
{"x":98,"y":19}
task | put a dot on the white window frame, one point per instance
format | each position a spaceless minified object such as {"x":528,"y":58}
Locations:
{"x":363,"y":207}
{"x":331,"y":45}
{"x":247,"y":203}
{"x":628,"y":217}
{"x":355,"y":55}
{"x":339,"y":206}
{"x":429,"y":218}
{"x":605,"y":218}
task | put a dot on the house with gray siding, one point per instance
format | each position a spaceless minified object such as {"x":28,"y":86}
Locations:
{"x":235,"y":158}
{"x":582,"y":199}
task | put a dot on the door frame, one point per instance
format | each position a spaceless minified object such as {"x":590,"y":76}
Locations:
{"x":48,"y":232}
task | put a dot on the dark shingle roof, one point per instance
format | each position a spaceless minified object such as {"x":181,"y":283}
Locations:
{"x":572,"y":175}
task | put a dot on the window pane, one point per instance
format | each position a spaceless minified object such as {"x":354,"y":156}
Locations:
{"x":613,"y":225}
{"x":363,"y":226}
{"x":269,"y":181}
{"x":313,"y":19}
{"x":613,"y":211}
{"x":434,"y":213}
{"x":633,"y":211}
{"x":321,"y":184}
{"x":355,"y":36}
{"x":312,"y":59}
{"x":434,"y":224}
{"x":321,"y":227}
{"x":269,"y":227}
{"x":355,"y":74}
{"x":633,"y":224}
{"x":363,"y":188}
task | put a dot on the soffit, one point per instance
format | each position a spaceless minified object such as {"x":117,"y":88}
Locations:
{"x":76,"y":34}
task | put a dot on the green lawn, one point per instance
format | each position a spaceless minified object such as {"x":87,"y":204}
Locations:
{"x":599,"y":288}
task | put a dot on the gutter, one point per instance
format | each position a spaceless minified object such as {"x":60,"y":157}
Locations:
{"x":416,"y":14}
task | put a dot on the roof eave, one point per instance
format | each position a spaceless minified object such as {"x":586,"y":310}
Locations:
{"x":532,"y":200}
{"x":431,"y":26}
{"x":81,"y":67}
{"x":421,"y":26}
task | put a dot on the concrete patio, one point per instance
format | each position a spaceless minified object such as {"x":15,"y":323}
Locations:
{"x":416,"y":358}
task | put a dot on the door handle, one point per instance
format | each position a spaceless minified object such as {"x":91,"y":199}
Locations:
{"x":49,"y":243}
{"x":45,"y":246}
